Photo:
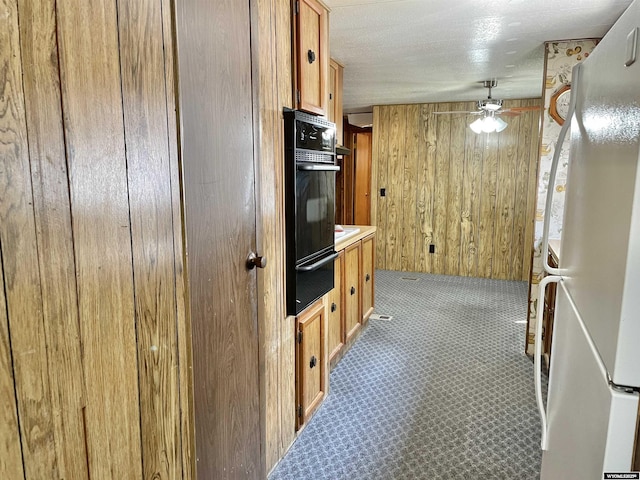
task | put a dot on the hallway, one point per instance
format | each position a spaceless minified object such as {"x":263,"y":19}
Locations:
{"x":441,"y":391}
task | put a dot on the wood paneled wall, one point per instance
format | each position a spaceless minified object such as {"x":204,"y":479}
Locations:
{"x":272,"y":58}
{"x":94,"y":354}
{"x":470,"y":196}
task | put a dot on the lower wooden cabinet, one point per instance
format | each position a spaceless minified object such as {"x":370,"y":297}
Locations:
{"x":352,"y":285}
{"x":335,"y":317}
{"x":310,"y":361}
{"x":549,"y":312}
{"x":367,"y":283}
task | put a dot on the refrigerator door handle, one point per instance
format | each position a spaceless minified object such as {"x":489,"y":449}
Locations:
{"x":552,"y":174}
{"x":542,"y":287}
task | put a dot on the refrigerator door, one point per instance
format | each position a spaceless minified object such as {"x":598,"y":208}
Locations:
{"x":601,"y":232}
{"x":591,"y":427}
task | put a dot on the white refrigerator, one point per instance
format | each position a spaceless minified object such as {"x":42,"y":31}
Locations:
{"x":590,"y":418}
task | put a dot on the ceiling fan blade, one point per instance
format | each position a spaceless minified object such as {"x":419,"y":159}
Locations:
{"x":457,"y":112}
{"x":531,"y":108}
{"x":509,"y":113}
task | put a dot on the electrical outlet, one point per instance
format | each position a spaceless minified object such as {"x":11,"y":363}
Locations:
{"x":432,"y":248}
{"x":383,"y":192}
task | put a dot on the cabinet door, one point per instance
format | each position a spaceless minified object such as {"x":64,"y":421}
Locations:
{"x":335,"y":324}
{"x":312,"y":60}
{"x":352,"y":289}
{"x":368,"y":247}
{"x":310,"y":361}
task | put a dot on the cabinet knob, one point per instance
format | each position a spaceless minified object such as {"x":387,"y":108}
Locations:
{"x":311,"y":56}
{"x":313,"y":362}
{"x":367,"y":278}
{"x":334,"y":307}
{"x":353,"y":290}
{"x":254,"y":261}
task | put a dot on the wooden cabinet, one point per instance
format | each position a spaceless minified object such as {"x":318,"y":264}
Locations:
{"x":548,"y":312}
{"x":352,"y":284}
{"x":335,"y":323}
{"x":310,"y":361}
{"x":334,"y":110}
{"x":312,"y":56}
{"x":366,"y":278}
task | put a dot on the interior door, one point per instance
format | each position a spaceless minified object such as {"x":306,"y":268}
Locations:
{"x":362,"y":182}
{"x":216,"y":105}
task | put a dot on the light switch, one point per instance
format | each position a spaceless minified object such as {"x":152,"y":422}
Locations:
{"x":632,"y":47}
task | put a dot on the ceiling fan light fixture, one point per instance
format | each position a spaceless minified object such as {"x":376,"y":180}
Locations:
{"x":489,"y":124}
{"x":490,"y":105}
{"x":476,"y":126}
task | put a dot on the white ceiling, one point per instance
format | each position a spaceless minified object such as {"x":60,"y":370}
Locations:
{"x":419,"y":51}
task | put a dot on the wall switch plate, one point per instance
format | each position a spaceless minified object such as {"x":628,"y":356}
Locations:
{"x":432,"y":248}
{"x":383,"y":192}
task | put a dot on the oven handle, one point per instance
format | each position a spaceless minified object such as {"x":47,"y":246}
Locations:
{"x":318,"y":264}
{"x":319,"y":168}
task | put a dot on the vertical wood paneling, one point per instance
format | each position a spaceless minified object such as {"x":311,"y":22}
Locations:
{"x":20,"y":263}
{"x":441,"y":190}
{"x":270,"y":312}
{"x":531,"y":194}
{"x":91,"y":93}
{"x":469,"y":220}
{"x":487,"y":217}
{"x":181,"y":290}
{"x":284,"y":73}
{"x":525,"y":137}
{"x":410,"y":227}
{"x":425,"y":187}
{"x":52,"y":215}
{"x":454,"y":205}
{"x":383,"y":177}
{"x":272,"y":66}
{"x":395,"y":180}
{"x":474,"y":193}
{"x":10,"y":450}
{"x":505,"y":201}
{"x":375,"y":159}
{"x":149,"y":181}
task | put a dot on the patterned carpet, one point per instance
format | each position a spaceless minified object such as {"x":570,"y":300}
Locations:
{"x":442,"y":391}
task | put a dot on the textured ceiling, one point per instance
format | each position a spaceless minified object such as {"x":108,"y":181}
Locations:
{"x":415,"y":51}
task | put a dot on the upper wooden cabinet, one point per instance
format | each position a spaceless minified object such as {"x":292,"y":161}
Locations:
{"x":312,"y":56}
{"x":334,"y":112}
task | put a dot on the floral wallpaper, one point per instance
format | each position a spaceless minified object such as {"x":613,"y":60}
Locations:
{"x":561,"y":57}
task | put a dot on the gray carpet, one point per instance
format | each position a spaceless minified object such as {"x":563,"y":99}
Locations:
{"x":442,"y":391}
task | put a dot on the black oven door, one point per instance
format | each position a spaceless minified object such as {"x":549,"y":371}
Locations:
{"x":314,"y":278}
{"x":315,"y":209}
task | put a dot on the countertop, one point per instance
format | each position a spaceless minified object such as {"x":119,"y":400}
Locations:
{"x":365,"y":231}
{"x":554,"y":246}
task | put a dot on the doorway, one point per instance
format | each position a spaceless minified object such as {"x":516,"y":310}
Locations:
{"x":353,"y":190}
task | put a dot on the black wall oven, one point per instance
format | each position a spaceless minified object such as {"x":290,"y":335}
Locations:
{"x":310,"y":208}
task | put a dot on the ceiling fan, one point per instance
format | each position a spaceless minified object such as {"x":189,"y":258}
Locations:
{"x":489,"y":110}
